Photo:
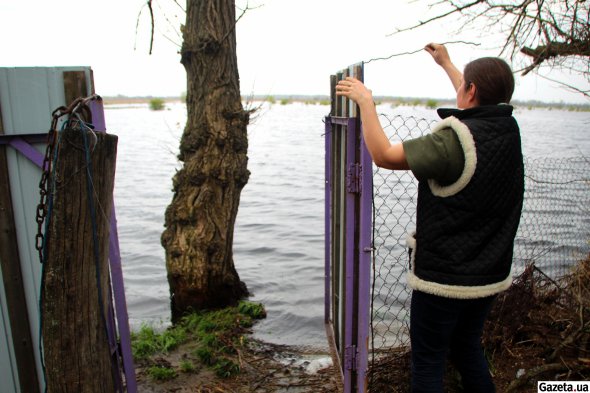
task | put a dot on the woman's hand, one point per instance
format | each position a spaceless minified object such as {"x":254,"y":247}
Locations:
{"x":355,"y":90}
{"x":441,"y":56}
{"x":439,"y":53}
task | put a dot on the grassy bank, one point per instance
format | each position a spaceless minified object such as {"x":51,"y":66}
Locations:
{"x":213,"y":339}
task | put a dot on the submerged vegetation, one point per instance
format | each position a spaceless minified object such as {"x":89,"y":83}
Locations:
{"x":157,"y":104}
{"x":212,"y":338}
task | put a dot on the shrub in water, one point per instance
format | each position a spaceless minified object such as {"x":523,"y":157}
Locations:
{"x":156,"y":104}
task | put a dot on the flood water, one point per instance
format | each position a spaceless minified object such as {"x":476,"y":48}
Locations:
{"x":279,"y":239}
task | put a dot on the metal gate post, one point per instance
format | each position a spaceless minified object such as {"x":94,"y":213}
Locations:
{"x":352,"y":186}
{"x":327,"y":214}
{"x":365,"y":254}
{"x":344,"y":252}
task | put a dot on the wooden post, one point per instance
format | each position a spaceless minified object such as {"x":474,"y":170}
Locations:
{"x":76,"y":347}
{"x":74,"y":85}
{"x":10,"y":264}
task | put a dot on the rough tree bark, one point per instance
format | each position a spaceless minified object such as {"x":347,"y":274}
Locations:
{"x":200,"y":220}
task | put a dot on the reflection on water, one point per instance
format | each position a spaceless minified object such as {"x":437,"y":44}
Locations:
{"x":279,"y":240}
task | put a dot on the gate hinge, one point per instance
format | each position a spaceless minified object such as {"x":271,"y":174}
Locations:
{"x":353,"y":178}
{"x":350,"y":358}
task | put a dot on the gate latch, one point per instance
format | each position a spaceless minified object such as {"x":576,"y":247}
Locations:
{"x":353,"y":178}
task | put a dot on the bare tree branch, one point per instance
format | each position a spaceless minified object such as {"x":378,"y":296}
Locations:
{"x":536,"y":32}
{"x":244,"y":10}
{"x":149,"y":4}
{"x":575,"y":89}
{"x":171,"y":25}
{"x":178,"y":4}
{"x":137,"y":26}
{"x":418,"y":50}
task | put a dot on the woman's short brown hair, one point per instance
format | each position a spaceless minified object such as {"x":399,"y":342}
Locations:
{"x":492,"y":78}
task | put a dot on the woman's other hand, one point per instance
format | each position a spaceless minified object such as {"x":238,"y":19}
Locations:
{"x":355,"y":90}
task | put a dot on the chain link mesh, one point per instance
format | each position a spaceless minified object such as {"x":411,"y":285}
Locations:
{"x":554,"y":231}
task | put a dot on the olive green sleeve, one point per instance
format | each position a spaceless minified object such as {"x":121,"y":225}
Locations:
{"x":437,"y":156}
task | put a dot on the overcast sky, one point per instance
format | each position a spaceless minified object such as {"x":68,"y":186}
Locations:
{"x":284,"y":46}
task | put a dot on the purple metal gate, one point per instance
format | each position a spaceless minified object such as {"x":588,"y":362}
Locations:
{"x":348,"y":223}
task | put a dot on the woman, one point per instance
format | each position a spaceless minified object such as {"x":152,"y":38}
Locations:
{"x":470,"y":194}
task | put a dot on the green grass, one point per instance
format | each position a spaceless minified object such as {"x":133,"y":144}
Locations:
{"x":159,"y":373}
{"x":148,"y":342}
{"x":215,"y":338}
{"x":187,"y":366}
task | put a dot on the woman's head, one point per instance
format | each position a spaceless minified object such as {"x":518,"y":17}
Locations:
{"x":493,"y":80}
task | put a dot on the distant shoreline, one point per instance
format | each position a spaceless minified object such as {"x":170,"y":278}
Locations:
{"x":325,"y":100}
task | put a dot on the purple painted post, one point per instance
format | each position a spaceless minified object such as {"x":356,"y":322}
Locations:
{"x":96,"y":108}
{"x":349,"y":314}
{"x":365,"y":253}
{"x":121,"y":304}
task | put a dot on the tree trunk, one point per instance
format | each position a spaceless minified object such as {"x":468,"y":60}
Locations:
{"x":198,"y":238}
{"x":76,"y":347}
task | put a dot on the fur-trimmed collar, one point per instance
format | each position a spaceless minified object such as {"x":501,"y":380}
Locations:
{"x":501,"y":110}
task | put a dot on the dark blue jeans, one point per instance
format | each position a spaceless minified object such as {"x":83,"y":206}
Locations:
{"x":442,"y":327}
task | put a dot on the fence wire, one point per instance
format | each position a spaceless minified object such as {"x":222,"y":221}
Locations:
{"x":554,"y":231}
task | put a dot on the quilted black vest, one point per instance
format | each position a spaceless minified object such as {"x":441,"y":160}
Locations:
{"x":465,"y":231}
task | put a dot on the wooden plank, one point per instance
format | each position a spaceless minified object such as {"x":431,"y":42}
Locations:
{"x":339,"y":100}
{"x":345,"y":100}
{"x":92,"y":89}
{"x":333,"y":82}
{"x":357,"y":72}
{"x":74,"y":85}
{"x":13,"y":283}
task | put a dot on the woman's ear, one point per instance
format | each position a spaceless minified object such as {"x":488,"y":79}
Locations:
{"x":472,"y":94}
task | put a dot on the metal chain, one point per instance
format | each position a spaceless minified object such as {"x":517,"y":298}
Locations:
{"x":45,"y":190}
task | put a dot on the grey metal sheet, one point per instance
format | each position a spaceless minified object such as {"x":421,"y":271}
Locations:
{"x":28,"y":96}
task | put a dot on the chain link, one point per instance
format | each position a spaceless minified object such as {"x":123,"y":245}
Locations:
{"x":45,"y":189}
{"x":79,"y":105}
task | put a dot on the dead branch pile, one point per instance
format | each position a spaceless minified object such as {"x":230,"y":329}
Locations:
{"x":539,"y":329}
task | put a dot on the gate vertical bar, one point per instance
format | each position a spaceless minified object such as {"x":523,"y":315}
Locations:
{"x":365,"y":254}
{"x":351,"y":222}
{"x":327,"y":220}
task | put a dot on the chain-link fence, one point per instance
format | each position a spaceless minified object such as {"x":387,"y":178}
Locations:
{"x":554,"y":233}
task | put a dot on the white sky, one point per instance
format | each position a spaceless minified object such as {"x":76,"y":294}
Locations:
{"x":284,"y":46}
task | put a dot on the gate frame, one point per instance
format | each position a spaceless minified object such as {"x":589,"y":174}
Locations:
{"x":345,"y":119}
